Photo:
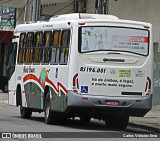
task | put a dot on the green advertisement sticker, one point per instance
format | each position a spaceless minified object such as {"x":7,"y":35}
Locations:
{"x":124,"y":73}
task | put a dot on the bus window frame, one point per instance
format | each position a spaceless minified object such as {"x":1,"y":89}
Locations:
{"x":47,"y":47}
{"x":23,"y":48}
{"x":31,"y":47}
{"x":56,"y":47}
{"x":65,"y":46}
{"x":80,"y":40}
{"x":40,"y":47}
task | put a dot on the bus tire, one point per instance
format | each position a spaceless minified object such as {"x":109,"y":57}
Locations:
{"x":117,"y":122}
{"x":26,"y":113}
{"x":47,"y":110}
{"x":18,"y":96}
{"x":85,"y":118}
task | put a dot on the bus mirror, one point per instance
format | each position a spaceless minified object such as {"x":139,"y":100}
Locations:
{"x":13,"y":37}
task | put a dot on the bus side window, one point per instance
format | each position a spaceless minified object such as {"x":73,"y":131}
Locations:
{"x":21,"y":51}
{"x":47,"y":46}
{"x":56,"y":47}
{"x":29,"y":47}
{"x":64,"y":49}
{"x":38,"y":46}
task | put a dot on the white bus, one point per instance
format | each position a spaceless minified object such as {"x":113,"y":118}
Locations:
{"x":82,"y":65}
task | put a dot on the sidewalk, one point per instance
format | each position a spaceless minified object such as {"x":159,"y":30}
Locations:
{"x":3,"y":97}
{"x":151,"y":121}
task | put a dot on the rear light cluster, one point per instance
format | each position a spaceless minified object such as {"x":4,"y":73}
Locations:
{"x":85,"y":98}
{"x":148,"y":87}
{"x":75,"y":83}
{"x":146,"y":27}
{"x":74,"y":89}
{"x":81,"y":23}
{"x":138,"y":100}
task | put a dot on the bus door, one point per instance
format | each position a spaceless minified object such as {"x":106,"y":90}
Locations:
{"x":11,"y":62}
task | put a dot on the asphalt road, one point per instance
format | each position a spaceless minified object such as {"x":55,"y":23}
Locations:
{"x":10,"y":121}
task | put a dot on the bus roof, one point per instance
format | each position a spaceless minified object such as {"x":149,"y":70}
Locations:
{"x":63,"y":20}
{"x":77,"y":16}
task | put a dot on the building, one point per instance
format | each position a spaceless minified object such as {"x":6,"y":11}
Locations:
{"x":6,"y":33}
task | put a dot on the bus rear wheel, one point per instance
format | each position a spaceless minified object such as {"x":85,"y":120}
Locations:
{"x":117,"y":122}
{"x":25,"y":112}
{"x":85,"y":118}
{"x":47,"y":111}
{"x":50,"y":116}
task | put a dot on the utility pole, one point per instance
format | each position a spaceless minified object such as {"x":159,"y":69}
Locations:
{"x":79,"y":6}
{"x":36,"y":10}
{"x":101,"y":6}
{"x":96,"y":7}
{"x":28,"y":11}
{"x":107,"y":6}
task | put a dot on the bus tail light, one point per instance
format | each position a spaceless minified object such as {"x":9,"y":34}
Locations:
{"x":138,"y":100}
{"x":75,"y":90}
{"x":85,"y":98}
{"x":146,"y":27}
{"x":75,"y":83}
{"x":148,"y":87}
{"x":81,"y":23}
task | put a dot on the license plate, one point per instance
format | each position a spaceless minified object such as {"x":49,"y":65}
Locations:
{"x":112,"y":102}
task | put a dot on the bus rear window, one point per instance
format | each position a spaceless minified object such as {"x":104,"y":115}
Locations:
{"x":121,"y":39}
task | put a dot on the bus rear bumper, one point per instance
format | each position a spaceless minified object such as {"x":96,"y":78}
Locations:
{"x":129,"y":106}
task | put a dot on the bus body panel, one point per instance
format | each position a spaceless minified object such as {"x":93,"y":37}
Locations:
{"x":33,"y":78}
{"x":105,"y":79}
{"x":113,"y":84}
{"x":97,"y":107}
{"x":114,"y":72}
{"x":33,"y":85}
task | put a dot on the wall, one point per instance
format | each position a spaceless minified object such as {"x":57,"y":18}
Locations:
{"x":57,"y":8}
{"x":141,"y":10}
{"x":90,"y":6}
{"x":20,"y":16}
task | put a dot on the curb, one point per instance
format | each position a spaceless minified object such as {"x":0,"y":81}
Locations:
{"x":153,"y":129}
{"x":4,"y":101}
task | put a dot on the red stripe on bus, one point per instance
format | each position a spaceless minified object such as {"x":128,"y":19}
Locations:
{"x":139,"y":39}
{"x":58,"y":85}
{"x":31,"y":76}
